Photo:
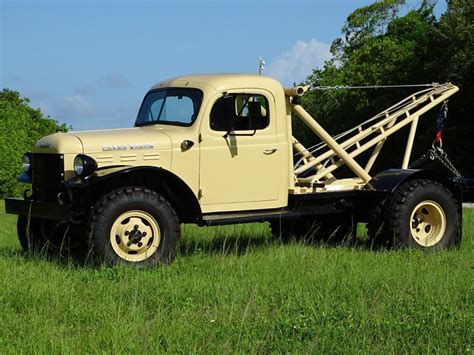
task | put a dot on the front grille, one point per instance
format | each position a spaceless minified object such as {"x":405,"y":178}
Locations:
{"x":47,"y":173}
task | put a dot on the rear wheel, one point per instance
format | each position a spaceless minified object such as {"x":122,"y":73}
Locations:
{"x":134,"y":226}
{"x":420,"y":214}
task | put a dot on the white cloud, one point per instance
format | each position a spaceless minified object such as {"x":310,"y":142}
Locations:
{"x":296,"y":64}
{"x":84,"y":90}
{"x":75,"y":105}
{"x":84,"y":113}
{"x":115,"y":80}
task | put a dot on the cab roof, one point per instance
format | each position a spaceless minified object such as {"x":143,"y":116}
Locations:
{"x":222,"y":81}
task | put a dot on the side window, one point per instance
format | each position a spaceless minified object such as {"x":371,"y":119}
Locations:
{"x":240,"y":112}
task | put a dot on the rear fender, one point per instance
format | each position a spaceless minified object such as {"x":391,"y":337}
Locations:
{"x":390,"y":180}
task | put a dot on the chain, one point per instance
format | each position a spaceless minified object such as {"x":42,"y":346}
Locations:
{"x":437,"y":152}
{"x":442,"y":156}
{"x":422,"y":159}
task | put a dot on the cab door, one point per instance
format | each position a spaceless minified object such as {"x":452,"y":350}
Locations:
{"x":240,"y":163}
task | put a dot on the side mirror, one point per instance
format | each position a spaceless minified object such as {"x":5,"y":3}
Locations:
{"x":255,"y":115}
{"x":228,"y":110}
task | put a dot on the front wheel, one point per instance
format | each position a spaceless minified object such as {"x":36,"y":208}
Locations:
{"x":38,"y":235}
{"x":421,"y":214}
{"x":134,"y":226}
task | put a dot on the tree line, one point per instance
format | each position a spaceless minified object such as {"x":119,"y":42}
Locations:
{"x":380,"y":45}
{"x":20,"y":127}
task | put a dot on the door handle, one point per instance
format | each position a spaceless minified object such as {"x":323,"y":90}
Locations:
{"x":186,"y":144}
{"x":270,"y":151}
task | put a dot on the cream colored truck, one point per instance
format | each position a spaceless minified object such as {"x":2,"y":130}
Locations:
{"x":219,"y":149}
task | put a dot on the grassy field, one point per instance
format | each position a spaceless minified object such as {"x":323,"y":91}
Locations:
{"x":235,"y":289}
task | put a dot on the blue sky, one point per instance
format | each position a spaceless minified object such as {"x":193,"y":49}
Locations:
{"x":89,"y":63}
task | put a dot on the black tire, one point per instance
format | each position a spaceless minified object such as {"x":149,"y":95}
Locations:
{"x":287,"y":230}
{"x":28,"y":235}
{"x":151,"y":210}
{"x":431,"y":204}
{"x":335,"y":229}
{"x":49,"y":237}
{"x":378,"y":238}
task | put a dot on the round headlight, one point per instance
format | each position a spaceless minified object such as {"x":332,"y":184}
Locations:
{"x":78,"y":165}
{"x":26,"y":163}
{"x":84,"y":165}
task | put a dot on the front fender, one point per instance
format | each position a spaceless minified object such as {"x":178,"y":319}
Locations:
{"x":171,"y":186}
{"x":101,"y":174}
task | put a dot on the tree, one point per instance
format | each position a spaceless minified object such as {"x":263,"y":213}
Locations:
{"x":453,"y":60}
{"x":381,"y":47}
{"x":20,"y":127}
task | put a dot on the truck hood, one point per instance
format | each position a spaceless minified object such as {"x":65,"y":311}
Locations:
{"x":140,"y":138}
{"x":63,"y":143}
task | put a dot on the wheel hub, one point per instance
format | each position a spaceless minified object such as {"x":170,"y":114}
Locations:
{"x":428,"y":223}
{"x":135,"y":236}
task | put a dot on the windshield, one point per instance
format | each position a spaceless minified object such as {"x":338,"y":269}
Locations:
{"x":170,"y":106}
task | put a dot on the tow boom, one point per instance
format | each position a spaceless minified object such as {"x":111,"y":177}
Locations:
{"x":334,"y":152}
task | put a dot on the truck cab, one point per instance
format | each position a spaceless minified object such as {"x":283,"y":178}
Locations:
{"x":238,"y":134}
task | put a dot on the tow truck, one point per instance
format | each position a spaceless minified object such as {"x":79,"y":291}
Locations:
{"x":219,"y":149}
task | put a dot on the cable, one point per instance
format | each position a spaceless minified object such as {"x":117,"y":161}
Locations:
{"x":347,"y":87}
{"x":420,"y":96}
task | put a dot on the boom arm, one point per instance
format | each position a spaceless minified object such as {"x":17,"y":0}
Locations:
{"x":332,"y":153}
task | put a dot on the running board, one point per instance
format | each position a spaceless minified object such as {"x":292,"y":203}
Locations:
{"x":214,"y":219}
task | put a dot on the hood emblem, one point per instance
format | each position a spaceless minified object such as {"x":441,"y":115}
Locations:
{"x":45,"y":145}
{"x":134,"y":146}
{"x":107,"y":148}
{"x":141,"y":146}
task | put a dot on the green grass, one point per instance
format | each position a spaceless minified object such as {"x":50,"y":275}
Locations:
{"x":234,"y":289}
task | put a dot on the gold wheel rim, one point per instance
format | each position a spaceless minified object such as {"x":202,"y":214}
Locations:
{"x":135,"y":236}
{"x":428,"y":223}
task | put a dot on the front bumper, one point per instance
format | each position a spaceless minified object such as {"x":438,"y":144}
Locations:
{"x":38,"y":209}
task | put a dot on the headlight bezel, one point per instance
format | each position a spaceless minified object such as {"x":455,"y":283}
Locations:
{"x":26,"y":163}
{"x":84,"y":166}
